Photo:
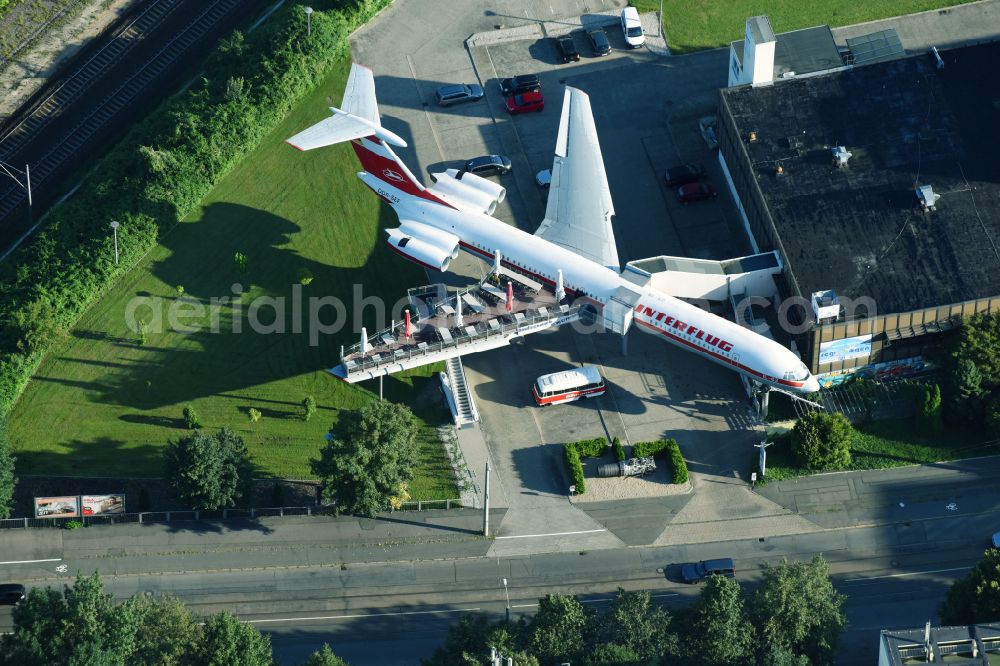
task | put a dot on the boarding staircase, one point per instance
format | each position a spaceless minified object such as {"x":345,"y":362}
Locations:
{"x":456,"y":388}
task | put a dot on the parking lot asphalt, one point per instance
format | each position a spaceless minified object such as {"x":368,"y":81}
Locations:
{"x":646,"y":109}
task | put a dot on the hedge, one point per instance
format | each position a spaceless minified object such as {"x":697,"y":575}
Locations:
{"x":158,"y":173}
{"x":575,"y":467}
{"x":664,"y":448}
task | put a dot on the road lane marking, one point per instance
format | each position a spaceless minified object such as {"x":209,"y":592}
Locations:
{"x":54,"y":559}
{"x":598,"y":601}
{"x":533,"y":536}
{"x":351,"y":617}
{"x":903,"y":575}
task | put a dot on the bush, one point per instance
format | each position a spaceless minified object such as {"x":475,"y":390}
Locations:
{"x":616,"y":444}
{"x":658,"y":449}
{"x":822,"y":440}
{"x":308,"y":407}
{"x":157,"y":174}
{"x":73,"y":524}
{"x":191,"y":417}
{"x":575,"y":467}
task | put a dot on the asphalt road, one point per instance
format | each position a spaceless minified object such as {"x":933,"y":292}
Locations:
{"x":394,"y":613}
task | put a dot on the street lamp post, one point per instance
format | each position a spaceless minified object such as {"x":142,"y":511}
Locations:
{"x":309,"y":12}
{"x":659,"y":18}
{"x":763,"y":456}
{"x":114,"y":228}
{"x":507,"y":594}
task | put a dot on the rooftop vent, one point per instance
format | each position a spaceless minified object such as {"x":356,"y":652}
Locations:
{"x":926,"y":197}
{"x":840,"y":156}
{"x":752,"y":136}
{"x":779,"y":170}
{"x":825,"y":304}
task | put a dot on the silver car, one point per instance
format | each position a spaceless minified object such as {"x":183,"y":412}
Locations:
{"x":459,"y":93}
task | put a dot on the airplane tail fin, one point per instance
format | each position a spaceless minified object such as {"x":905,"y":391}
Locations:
{"x":359,"y":122}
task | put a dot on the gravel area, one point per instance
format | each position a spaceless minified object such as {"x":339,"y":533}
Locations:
{"x":600,"y":489}
{"x":29,"y":70}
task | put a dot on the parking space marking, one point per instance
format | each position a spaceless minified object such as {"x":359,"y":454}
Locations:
{"x":532,"y":536}
{"x":427,"y":114}
{"x":903,"y":575}
{"x":54,"y":559}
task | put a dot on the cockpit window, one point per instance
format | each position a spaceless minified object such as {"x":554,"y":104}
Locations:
{"x":800,"y":373}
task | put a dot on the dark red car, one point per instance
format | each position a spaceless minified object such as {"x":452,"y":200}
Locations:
{"x":695,"y":192}
{"x":525,"y":103}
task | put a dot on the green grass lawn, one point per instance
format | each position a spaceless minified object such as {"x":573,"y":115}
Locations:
{"x":889,"y":443}
{"x":692,"y":25}
{"x":104,"y":404}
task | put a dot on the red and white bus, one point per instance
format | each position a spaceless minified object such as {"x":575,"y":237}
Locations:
{"x":568,"y":385}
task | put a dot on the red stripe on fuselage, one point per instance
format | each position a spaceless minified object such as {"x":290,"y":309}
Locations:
{"x":719,"y":357}
{"x":486,"y":255}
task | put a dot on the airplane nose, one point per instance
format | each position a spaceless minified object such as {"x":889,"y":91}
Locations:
{"x":811,"y":385}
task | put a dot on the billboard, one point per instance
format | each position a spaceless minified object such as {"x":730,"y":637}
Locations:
{"x":57,"y":507}
{"x":841,"y":350}
{"x":101,"y":505}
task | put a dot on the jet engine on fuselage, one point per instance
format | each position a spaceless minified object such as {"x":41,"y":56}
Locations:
{"x":467,"y":191}
{"x":424,"y":244}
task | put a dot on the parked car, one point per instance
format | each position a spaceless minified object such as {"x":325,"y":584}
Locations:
{"x":599,"y":42}
{"x":695,"y":192}
{"x":996,"y":540}
{"x":526,"y":103}
{"x":682,"y":174}
{"x":520,"y":84}
{"x":11,"y":593}
{"x":488,"y":165}
{"x":459,"y":93}
{"x":632,"y":27}
{"x":695,"y":573}
{"x":543,"y":178}
{"x":567,"y":49}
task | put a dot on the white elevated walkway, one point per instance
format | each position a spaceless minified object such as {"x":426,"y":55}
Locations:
{"x":682,"y":277}
{"x":448,"y":325}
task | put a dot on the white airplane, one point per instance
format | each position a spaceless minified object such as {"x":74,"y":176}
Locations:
{"x":573,"y":249}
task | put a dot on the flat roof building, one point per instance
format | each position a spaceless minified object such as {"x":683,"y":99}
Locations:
{"x":976,"y":644}
{"x":879,"y":185}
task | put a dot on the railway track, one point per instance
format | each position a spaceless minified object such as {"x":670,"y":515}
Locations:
{"x":68,"y":123}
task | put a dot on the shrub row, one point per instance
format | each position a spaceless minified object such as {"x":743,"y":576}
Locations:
{"x":158,"y":173}
{"x":664,"y":449}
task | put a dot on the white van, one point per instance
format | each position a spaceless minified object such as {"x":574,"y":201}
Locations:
{"x":632,"y":28}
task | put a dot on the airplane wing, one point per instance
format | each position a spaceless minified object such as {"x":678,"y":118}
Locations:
{"x":579,"y":210}
{"x":357,"y":118}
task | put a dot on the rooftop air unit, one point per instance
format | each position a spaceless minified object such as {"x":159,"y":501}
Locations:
{"x":840,"y":156}
{"x":825,"y":305}
{"x":926,"y":197}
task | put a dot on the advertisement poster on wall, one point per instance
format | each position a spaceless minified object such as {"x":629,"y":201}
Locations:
{"x":102,"y":505}
{"x":56,"y":507}
{"x":848,"y":348}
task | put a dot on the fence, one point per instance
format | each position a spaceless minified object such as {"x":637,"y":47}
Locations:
{"x":146,"y":517}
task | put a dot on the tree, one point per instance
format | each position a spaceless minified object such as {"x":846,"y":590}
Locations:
{"x":965,"y":405}
{"x":633,"y":623}
{"x":369,"y":454}
{"x":324,"y":657}
{"x":975,"y":598}
{"x":209,"y":471}
{"x":796,"y":608}
{"x":614,"y":654}
{"x":191,"y":417}
{"x":822,"y":440}
{"x":717,"y":628}
{"x":308,"y":407}
{"x":931,"y":408}
{"x":225,"y":641}
{"x":167,"y":632}
{"x":7,"y":479}
{"x":80,"y":626}
{"x":979,"y":342}
{"x":556,"y":633}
